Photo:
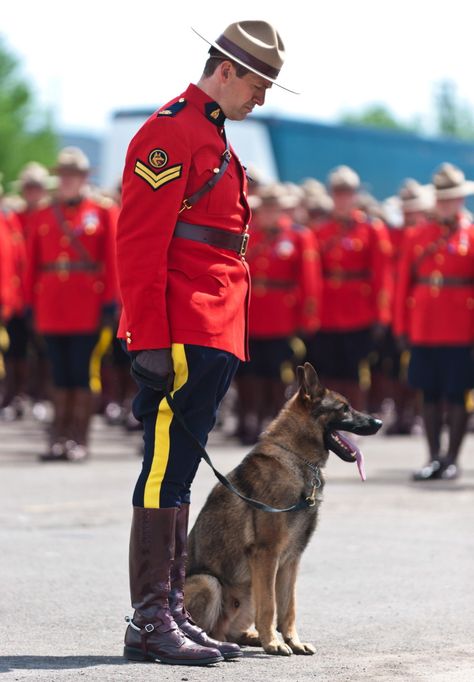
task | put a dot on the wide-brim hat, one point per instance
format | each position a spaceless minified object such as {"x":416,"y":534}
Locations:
{"x":257,"y":45}
{"x":450,"y":183}
{"x":72,"y":159}
{"x":415,"y":197}
{"x":343,"y":177}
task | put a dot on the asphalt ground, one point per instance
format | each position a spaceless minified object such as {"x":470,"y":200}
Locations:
{"x":385,"y":591}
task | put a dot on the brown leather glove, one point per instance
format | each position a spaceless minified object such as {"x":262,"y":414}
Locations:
{"x":154,"y":368}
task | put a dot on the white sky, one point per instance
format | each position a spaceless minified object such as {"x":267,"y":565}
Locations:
{"x":87,"y":59}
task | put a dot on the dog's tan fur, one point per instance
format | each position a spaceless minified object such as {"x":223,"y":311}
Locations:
{"x":243,"y":562}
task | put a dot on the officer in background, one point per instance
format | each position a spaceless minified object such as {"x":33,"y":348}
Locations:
{"x":414,"y":203}
{"x":182,"y":237}
{"x":33,"y":183}
{"x":434,"y":311}
{"x":12,"y":403}
{"x":286,"y":291}
{"x":71,"y":289}
{"x":357,"y":287}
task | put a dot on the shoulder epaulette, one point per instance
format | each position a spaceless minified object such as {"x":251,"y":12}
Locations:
{"x":173,"y":109}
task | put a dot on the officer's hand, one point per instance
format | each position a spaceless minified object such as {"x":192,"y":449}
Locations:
{"x":154,"y":368}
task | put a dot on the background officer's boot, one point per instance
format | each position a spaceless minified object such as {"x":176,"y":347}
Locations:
{"x":457,"y":424}
{"x":152,"y":634}
{"x":176,"y":599}
{"x":59,"y":434}
{"x":433,"y":423}
{"x":80,"y":417}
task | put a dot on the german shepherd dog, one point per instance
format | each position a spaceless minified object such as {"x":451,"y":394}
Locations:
{"x":243,"y":562}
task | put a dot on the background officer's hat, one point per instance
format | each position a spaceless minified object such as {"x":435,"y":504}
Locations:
{"x":257,"y":45}
{"x":415,"y":197}
{"x":343,"y":177}
{"x":450,"y":183}
{"x":72,"y":159}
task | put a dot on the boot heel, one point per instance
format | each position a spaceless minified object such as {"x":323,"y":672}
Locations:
{"x":133,"y":654}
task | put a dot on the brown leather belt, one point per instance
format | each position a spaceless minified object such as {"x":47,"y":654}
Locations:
{"x":343,"y":275}
{"x":214,"y":236}
{"x":68,"y":266}
{"x":272,"y":283}
{"x":438,"y":280}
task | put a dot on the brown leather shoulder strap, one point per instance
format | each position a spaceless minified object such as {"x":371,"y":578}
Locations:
{"x":76,"y":244}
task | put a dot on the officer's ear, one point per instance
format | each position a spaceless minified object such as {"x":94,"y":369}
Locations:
{"x":226,"y":70}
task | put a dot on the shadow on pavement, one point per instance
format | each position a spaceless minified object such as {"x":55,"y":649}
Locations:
{"x":8,"y":663}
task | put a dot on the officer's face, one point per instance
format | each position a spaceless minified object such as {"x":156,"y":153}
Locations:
{"x":449,"y":208}
{"x":344,"y":201}
{"x":241,"y":95}
{"x":71,"y":184}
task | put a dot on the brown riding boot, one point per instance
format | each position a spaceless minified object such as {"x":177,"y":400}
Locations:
{"x":60,"y":433}
{"x":177,"y":607}
{"x":152,"y":634}
{"x":80,"y":418}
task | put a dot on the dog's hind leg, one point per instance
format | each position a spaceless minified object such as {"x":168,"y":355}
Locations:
{"x":286,"y":607}
{"x":263,"y":565}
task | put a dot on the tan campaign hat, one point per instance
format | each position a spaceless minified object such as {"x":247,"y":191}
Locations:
{"x":343,"y":177}
{"x":72,"y":159}
{"x":415,"y":197}
{"x":450,"y":183}
{"x":34,"y":174}
{"x":257,"y":45}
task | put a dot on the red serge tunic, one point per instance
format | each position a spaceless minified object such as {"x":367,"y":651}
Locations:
{"x":18,"y":263}
{"x":6,"y":270}
{"x":66,"y":289}
{"x":357,"y":277}
{"x":434,"y":302}
{"x":286,"y":281}
{"x":175,"y":290}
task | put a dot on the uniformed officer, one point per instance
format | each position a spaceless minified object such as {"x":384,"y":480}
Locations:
{"x":33,"y":184}
{"x":286,"y":292}
{"x":182,"y":237}
{"x":414,"y":202}
{"x":71,"y":288}
{"x":355,"y":262}
{"x":434,"y":309}
{"x":12,"y":404}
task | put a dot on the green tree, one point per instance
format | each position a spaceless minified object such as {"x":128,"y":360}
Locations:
{"x":454,"y":117}
{"x":377,"y":116}
{"x":26,"y":132}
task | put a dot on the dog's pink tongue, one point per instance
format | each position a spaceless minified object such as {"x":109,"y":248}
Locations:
{"x":359,"y":457}
{"x":360,"y":464}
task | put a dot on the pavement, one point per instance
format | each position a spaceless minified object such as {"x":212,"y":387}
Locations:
{"x":385,"y":591}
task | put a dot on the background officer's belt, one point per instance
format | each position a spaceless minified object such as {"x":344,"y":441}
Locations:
{"x":344,"y":275}
{"x":441,"y":281}
{"x":67,"y":266}
{"x":213,"y":236}
{"x":272,"y":283}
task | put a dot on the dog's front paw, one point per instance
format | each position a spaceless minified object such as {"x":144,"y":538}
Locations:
{"x":276,"y":648}
{"x":302,"y":648}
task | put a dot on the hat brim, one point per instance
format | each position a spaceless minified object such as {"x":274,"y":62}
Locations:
{"x":239,"y":61}
{"x":464,"y":190}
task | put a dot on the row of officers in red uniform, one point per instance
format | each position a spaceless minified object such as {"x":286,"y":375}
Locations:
{"x":331,"y":282}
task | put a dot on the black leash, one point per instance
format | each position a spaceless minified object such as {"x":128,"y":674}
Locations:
{"x":304,"y":503}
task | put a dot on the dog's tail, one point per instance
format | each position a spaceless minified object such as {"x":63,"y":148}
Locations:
{"x":204,"y":600}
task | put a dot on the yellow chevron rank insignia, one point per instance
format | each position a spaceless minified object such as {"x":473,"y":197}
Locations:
{"x":157,"y":180}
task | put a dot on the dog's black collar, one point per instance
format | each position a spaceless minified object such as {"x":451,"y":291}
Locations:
{"x":316,"y":482}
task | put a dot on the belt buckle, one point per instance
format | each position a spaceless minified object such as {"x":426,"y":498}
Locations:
{"x":227,"y":155}
{"x":243,"y":246}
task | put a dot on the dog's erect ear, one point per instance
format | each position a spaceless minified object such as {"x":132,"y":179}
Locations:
{"x":308,"y":381}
